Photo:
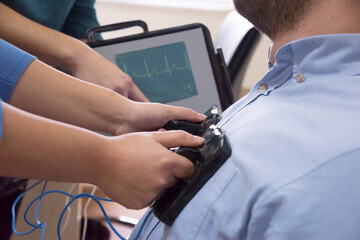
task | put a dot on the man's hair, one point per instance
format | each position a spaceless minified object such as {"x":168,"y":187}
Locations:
{"x":274,"y":16}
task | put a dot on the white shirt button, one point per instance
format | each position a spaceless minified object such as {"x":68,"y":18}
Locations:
{"x":262,"y":88}
{"x":300,"y":78}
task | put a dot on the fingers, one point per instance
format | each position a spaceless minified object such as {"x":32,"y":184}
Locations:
{"x":182,"y":168}
{"x":172,"y":139}
{"x":136,"y":95}
{"x":181,"y":113}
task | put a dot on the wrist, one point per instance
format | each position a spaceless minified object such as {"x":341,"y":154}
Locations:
{"x":115,"y":112}
{"x":106,"y":163}
{"x":73,"y":55}
{"x":97,"y":159}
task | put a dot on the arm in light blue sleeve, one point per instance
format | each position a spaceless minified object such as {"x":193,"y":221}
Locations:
{"x":13,"y":62}
{"x":1,"y":120}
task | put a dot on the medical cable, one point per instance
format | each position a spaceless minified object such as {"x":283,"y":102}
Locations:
{"x":73,"y":198}
{"x":13,"y":214}
{"x":85,"y":214}
{"x":38,"y":206}
{"x":68,"y":210}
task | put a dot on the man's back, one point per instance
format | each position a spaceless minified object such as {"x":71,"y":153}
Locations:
{"x":295,"y":140}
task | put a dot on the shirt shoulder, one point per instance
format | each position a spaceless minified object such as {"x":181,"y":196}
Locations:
{"x":317,"y":205}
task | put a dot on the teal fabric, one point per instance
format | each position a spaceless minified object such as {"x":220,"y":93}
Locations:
{"x":72,"y":17}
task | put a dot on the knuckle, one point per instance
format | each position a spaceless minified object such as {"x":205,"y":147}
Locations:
{"x":126,"y":79}
{"x":125,"y":82}
{"x":163,"y":184}
{"x":183,"y":134}
{"x":165,"y":163}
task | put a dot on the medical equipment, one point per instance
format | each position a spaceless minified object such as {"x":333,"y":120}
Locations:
{"x":207,"y":159}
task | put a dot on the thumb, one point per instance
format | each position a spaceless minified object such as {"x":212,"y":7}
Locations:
{"x":136,"y":94}
{"x":181,"y":113}
{"x":177,"y":138}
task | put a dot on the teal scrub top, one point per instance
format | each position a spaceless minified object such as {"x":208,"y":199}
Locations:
{"x":72,"y":17}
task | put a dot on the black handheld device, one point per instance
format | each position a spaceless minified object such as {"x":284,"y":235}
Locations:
{"x":194,"y":128}
{"x":207,"y":159}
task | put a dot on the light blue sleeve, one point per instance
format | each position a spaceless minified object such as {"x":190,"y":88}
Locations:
{"x":1,"y":120}
{"x":13,"y":62}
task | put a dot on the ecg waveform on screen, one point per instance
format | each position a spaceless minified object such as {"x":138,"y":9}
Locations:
{"x":169,"y":69}
{"x":162,"y":73}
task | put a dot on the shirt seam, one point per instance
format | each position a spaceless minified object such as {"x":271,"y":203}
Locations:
{"x":253,"y":99}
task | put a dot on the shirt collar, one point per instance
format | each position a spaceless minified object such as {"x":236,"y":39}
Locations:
{"x":323,"y":54}
{"x":310,"y":58}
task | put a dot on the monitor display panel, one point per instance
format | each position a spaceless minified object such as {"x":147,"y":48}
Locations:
{"x":170,"y":67}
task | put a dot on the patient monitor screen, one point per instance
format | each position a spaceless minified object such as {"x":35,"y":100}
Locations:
{"x":162,"y":73}
{"x":171,"y":68}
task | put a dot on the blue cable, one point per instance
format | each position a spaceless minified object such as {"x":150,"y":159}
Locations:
{"x":82,"y":195}
{"x":143,"y":224}
{"x":38,"y":206}
{"x":13,"y":215}
{"x":96,"y":199}
{"x":42,"y":225}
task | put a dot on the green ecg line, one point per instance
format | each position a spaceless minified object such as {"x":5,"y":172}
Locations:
{"x":154,"y":71}
{"x":162,"y":73}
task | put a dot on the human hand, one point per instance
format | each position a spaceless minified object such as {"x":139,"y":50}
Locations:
{"x":94,"y":68}
{"x":152,"y":116}
{"x":138,"y":167}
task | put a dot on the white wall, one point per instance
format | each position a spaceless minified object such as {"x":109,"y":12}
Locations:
{"x":165,"y":17}
{"x":158,"y":17}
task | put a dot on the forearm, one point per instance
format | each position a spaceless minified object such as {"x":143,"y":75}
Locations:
{"x":38,"y":148}
{"x":47,"y":92}
{"x":52,"y":47}
{"x":132,"y":169}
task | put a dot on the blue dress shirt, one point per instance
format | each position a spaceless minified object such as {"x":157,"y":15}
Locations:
{"x":294,"y":172}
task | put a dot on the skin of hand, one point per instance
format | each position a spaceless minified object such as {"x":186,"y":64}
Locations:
{"x":39,"y":148}
{"x":47,"y":92}
{"x":132,"y":169}
{"x":147,"y":168}
{"x":90,"y":66}
{"x":126,"y":167}
{"x":153,"y":116}
{"x":65,"y":52}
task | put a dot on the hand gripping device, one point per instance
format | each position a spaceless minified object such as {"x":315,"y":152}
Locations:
{"x":207,"y":159}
